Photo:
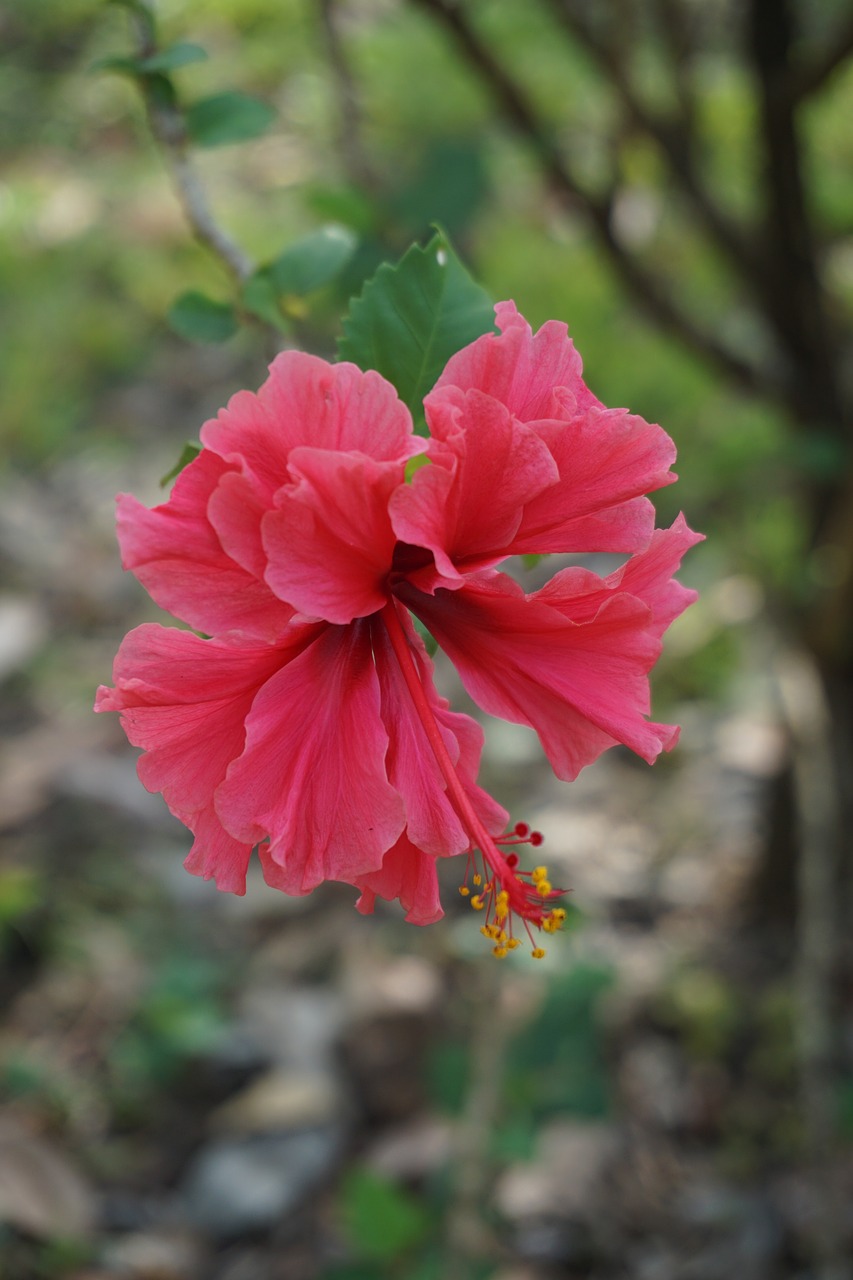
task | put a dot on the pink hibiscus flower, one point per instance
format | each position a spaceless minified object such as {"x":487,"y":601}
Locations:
{"x":307,"y":726}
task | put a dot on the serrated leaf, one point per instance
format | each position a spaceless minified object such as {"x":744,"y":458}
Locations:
{"x":177,"y":55}
{"x":224,"y":118}
{"x":260,"y":299}
{"x":382,"y":1220}
{"x":201,"y":319}
{"x":412,"y":317}
{"x":189,"y":453}
{"x":313,"y":261}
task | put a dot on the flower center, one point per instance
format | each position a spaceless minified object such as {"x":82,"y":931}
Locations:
{"x":408,"y":559}
{"x":503,"y":891}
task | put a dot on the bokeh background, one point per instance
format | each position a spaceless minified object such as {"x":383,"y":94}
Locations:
{"x":197,"y":1086}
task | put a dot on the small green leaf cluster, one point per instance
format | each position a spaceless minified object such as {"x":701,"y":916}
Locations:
{"x":214,"y":121}
{"x":407,"y":322}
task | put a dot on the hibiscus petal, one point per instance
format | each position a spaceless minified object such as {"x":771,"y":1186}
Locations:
{"x":406,"y":873}
{"x":582,"y":686}
{"x":185,"y":701}
{"x":432,"y":823}
{"x":520,"y":368}
{"x":606,"y":458}
{"x":312,"y":776}
{"x":216,"y":855}
{"x":496,"y":466}
{"x":578,"y":594}
{"x":330,"y":543}
{"x":307,"y":401}
{"x":176,"y":554}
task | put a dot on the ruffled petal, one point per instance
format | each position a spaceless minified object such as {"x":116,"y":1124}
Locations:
{"x":579,"y":594}
{"x":307,"y":401}
{"x":406,"y":873}
{"x":330,"y":543}
{"x":521,"y":369}
{"x":312,"y":776}
{"x":431,"y":820}
{"x":216,"y":855}
{"x":175,"y":552}
{"x":583,"y":686}
{"x":466,"y":508}
{"x":185,"y":700}
{"x":605,"y":459}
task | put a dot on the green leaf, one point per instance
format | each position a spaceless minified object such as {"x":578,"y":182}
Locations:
{"x":259,"y":297}
{"x":343,"y":204}
{"x":382,"y":1220}
{"x":189,"y":453}
{"x":449,"y":187}
{"x":313,"y":261}
{"x":411,"y":318}
{"x":201,"y":319}
{"x":177,"y":55}
{"x":227,"y":117}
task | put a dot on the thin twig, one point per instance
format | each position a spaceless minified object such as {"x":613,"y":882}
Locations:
{"x":169,"y":132}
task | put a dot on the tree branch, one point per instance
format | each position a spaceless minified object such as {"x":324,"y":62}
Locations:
{"x":651,"y":296}
{"x":675,"y":36}
{"x":674,"y":138}
{"x":795,"y":302}
{"x":169,"y":132}
{"x":810,"y":78}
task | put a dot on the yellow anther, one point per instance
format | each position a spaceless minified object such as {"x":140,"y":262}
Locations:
{"x":559,"y":914}
{"x":538,"y":953}
{"x":501,"y":911}
{"x":477,"y":902}
{"x":550,"y":925}
{"x":512,"y":943}
{"x":477,"y":878}
{"x":500,"y":936}
{"x":502,"y":898}
{"x":539,"y":873}
{"x":464,"y":890}
{"x":500,"y":952}
{"x":486,"y":930}
{"x":543,"y":888}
